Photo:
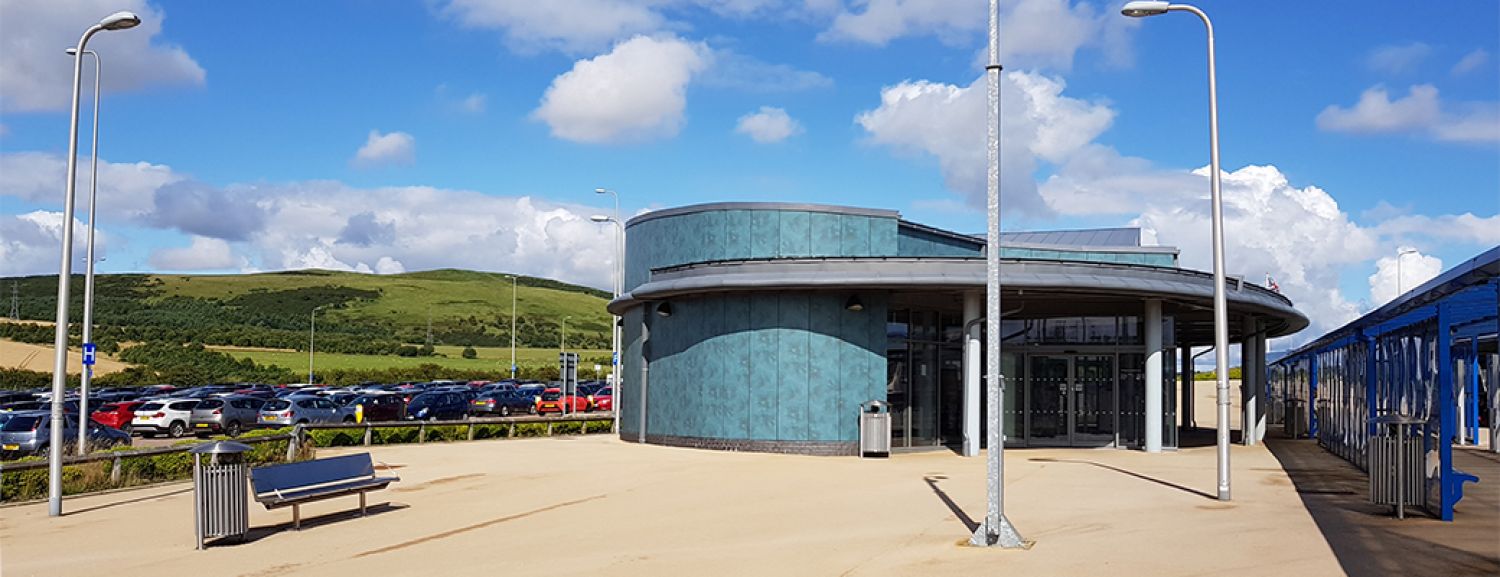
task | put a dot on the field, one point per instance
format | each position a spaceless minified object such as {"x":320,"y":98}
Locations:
{"x":14,"y":355}
{"x":489,"y":359}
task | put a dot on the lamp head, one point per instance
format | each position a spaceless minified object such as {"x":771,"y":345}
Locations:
{"x":600,"y":218}
{"x":120,"y":21}
{"x":601,"y":191}
{"x":1144,"y":8}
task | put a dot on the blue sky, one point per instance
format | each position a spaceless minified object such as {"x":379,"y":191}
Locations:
{"x":471,"y":133}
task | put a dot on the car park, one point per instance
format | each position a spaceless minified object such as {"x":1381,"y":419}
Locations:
{"x":166,"y":416}
{"x":30,"y":433}
{"x":603,"y":399}
{"x":297,"y":410}
{"x":227,"y":415}
{"x":436,"y":405}
{"x":378,"y":407}
{"x":553,"y":401}
{"x":117,"y":415}
{"x":502,"y":403}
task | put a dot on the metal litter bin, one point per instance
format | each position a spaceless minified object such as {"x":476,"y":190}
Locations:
{"x":221,"y":503}
{"x":875,"y":429}
{"x":1396,"y":463}
{"x":1294,"y":421}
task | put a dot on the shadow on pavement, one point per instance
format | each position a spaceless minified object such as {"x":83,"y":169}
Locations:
{"x":153,"y":495}
{"x":261,"y":532}
{"x":1130,"y":473}
{"x":969,"y":522}
{"x":1368,"y":540}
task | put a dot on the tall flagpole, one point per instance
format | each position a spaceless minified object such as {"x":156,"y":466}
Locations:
{"x":996,"y":531}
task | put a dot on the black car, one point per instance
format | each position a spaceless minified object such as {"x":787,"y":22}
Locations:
{"x":502,"y":403}
{"x":437,"y":406}
{"x":379,"y":407}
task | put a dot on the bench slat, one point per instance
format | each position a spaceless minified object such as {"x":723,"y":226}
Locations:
{"x":291,"y":476}
{"x":273,"y":501}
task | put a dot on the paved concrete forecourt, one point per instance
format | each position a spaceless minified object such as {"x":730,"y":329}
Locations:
{"x":599,"y":506}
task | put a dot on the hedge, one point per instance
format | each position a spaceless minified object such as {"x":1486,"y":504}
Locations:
{"x":438,"y":433}
{"x":134,"y":471}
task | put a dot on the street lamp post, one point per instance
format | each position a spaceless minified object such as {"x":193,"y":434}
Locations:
{"x":1140,"y":9}
{"x":1401,"y":253}
{"x":312,"y":329}
{"x":996,"y":530}
{"x":512,"y":327}
{"x":614,"y":329}
{"x":116,"y":21}
{"x":562,"y":397}
{"x":88,"y":276}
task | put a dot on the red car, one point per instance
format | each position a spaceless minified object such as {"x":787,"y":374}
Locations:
{"x":553,"y":401}
{"x":604,"y":400}
{"x":117,"y":415}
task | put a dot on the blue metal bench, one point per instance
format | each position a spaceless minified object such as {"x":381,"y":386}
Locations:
{"x":293,"y":484}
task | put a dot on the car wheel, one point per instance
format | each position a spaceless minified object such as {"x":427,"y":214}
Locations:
{"x":125,"y":428}
{"x":44,"y":452}
{"x":531,"y":410}
{"x":232,"y":429}
{"x":505,"y":411}
{"x":176,"y":430}
{"x":348,"y":419}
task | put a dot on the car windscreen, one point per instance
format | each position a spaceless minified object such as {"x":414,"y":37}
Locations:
{"x":150,"y":407}
{"x":183,"y":405}
{"x":110,"y":408}
{"x":210,"y":404}
{"x":551,"y":396}
{"x":20,"y":423}
{"x":605,"y":392}
{"x":276,"y":405}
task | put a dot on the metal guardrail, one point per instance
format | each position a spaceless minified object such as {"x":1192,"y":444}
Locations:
{"x":369,"y":427}
{"x":118,"y":456}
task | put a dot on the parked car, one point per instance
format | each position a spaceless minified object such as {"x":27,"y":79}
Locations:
{"x":502,"y":403}
{"x":553,"y":401}
{"x":167,"y":416}
{"x":534,"y":391}
{"x":378,"y":407}
{"x":26,"y":406}
{"x":433,"y":406}
{"x":30,"y":433}
{"x":228,"y":415}
{"x":300,"y":409}
{"x":117,"y":415}
{"x":603,"y":399}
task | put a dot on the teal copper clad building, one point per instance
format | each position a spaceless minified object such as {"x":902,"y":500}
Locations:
{"x":764,"y":326}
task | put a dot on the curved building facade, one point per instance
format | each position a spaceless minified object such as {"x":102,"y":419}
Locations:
{"x":764,"y":326}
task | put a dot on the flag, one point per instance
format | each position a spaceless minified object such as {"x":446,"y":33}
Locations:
{"x":1271,"y":283}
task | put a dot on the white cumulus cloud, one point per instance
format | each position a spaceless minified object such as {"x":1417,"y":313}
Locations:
{"x":1398,"y":58}
{"x":1472,"y":61}
{"x":572,"y":26}
{"x":947,"y":122}
{"x":35,"y":74}
{"x":203,"y":253}
{"x":636,"y":92}
{"x":1413,"y":268}
{"x":386,"y":149}
{"x":1420,"y":111}
{"x":29,"y":243}
{"x":768,"y":125}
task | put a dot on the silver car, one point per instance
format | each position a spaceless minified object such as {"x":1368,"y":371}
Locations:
{"x":228,"y":415}
{"x":30,"y":433}
{"x":165,"y":416}
{"x":296,"y":410}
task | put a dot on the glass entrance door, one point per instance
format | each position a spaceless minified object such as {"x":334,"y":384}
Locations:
{"x":1072,"y":400}
{"x":1047,"y":385}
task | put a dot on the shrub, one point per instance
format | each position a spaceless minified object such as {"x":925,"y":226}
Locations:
{"x":470,"y":353}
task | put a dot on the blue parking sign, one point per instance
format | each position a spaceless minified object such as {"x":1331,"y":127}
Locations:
{"x":89,"y":352}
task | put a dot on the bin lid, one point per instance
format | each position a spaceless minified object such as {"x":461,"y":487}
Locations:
{"x":219,"y":448}
{"x":875,"y":406}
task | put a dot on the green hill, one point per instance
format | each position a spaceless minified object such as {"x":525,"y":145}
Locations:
{"x":360,"y":313}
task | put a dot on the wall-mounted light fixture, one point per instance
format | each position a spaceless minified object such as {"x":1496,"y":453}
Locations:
{"x":664,"y":309}
{"x":854,"y":304}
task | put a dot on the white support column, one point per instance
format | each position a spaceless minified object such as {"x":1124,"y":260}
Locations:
{"x":1260,"y":387}
{"x":1247,"y":380}
{"x":1187,"y":399}
{"x":973,"y":355}
{"x":1153,"y":376}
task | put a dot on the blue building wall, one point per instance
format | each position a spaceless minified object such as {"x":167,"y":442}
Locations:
{"x":735,"y":234}
{"x":757,"y":367}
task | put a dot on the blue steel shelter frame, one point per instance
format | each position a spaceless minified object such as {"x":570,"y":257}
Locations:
{"x":1402,"y":358}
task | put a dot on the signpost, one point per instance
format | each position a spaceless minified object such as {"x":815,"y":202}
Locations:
{"x":90,"y":353}
{"x":567,"y":365}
